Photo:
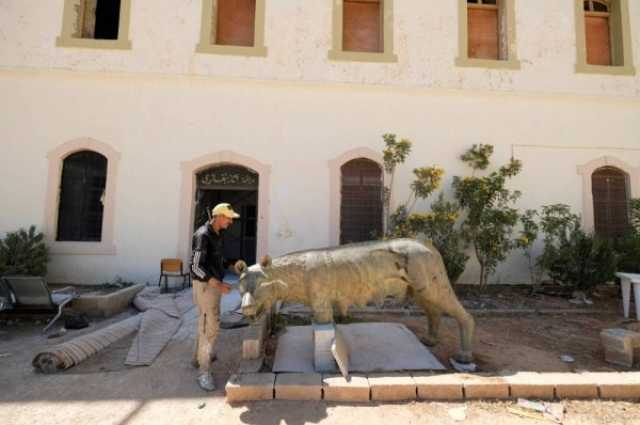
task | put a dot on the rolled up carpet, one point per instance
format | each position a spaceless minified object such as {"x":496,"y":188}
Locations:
{"x":68,"y":354}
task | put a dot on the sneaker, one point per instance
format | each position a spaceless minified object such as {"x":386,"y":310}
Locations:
{"x":206,"y":382}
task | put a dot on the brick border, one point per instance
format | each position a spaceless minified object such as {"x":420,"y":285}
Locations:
{"x":448,"y":386}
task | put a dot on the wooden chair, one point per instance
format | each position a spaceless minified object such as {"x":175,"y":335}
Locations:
{"x":172,"y":267}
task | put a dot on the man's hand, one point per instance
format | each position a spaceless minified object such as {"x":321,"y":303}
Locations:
{"x":224,"y":288}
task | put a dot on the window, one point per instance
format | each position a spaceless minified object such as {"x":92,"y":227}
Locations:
{"x":82,"y":190}
{"x":603,"y":38}
{"x":487,"y":34}
{"x":363,"y":31}
{"x":80,"y":205}
{"x":610,"y":202}
{"x":361,"y":201}
{"x":234,"y":27}
{"x":95,"y":24}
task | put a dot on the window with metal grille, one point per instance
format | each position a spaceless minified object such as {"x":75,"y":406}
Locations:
{"x":610,"y":202}
{"x":483,"y":20}
{"x":361,"y":201}
{"x":82,"y":188}
{"x":235,"y":22}
{"x":362,"y":26}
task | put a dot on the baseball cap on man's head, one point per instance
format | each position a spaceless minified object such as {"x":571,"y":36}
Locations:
{"x":225,"y":210}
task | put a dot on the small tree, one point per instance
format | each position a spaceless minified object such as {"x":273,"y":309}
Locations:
{"x":439,"y":225}
{"x":528,"y":236}
{"x":23,"y":253}
{"x":395,"y":153}
{"x":488,"y":203}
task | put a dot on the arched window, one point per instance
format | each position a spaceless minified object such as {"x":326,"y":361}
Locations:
{"x":610,"y":201}
{"x":82,"y":192}
{"x":597,"y":22}
{"x":361,"y":201}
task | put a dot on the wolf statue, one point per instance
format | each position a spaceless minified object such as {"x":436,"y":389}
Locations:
{"x":333,"y":279}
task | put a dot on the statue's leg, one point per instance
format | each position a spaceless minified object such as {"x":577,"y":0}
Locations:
{"x":436,"y":291}
{"x":452,"y":307}
{"x":433,"y":315}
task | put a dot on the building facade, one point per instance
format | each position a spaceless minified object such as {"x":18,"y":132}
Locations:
{"x":121,"y":121}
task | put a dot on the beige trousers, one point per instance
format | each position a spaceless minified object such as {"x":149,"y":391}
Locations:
{"x":207,"y":301}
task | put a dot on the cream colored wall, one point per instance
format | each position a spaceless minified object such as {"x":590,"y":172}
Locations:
{"x":160,"y":105}
{"x":164,"y":34}
{"x":157,"y":123}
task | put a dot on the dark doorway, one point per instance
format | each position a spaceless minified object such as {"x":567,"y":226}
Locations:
{"x":237,"y":186}
{"x":107,"y":19}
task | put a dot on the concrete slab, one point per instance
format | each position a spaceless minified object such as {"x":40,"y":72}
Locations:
{"x":250,"y":386}
{"x":341,"y":352}
{"x":337,"y":388}
{"x":374,"y":347}
{"x":298,"y":386}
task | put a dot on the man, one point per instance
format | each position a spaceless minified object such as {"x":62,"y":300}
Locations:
{"x":207,"y":269}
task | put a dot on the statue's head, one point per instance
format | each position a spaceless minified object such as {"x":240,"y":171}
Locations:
{"x":257,"y":288}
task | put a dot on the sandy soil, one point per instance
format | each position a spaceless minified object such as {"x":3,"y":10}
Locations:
{"x":104,"y":391}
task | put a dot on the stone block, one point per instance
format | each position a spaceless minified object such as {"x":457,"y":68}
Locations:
{"x":572,"y":385}
{"x":253,"y":340}
{"x":106,"y":305}
{"x":392,"y":387}
{"x":617,"y":386}
{"x":485,"y":387}
{"x":250,"y":386}
{"x":619,"y":345}
{"x":298,"y":386}
{"x":323,"y":337}
{"x":439,"y":386}
{"x":337,"y":388}
{"x":530,"y":385}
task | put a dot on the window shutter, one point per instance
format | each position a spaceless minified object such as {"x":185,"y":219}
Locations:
{"x":361,"y":26}
{"x":483,"y":32}
{"x":610,"y":202}
{"x":235,"y":22}
{"x":598,"y":41}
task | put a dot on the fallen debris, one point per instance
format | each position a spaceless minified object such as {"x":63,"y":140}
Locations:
{"x":535,"y":410}
{"x":567,"y":358}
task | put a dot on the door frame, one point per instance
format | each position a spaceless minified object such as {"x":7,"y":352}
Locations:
{"x":189,"y":171}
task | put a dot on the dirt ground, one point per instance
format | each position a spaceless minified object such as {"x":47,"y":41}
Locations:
{"x":104,"y":391}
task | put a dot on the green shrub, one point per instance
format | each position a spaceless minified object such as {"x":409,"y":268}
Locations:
{"x":627,"y":250}
{"x":571,"y":256}
{"x":23,"y":253}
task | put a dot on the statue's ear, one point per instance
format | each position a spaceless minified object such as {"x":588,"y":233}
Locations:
{"x":240,"y":267}
{"x":265,"y":261}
